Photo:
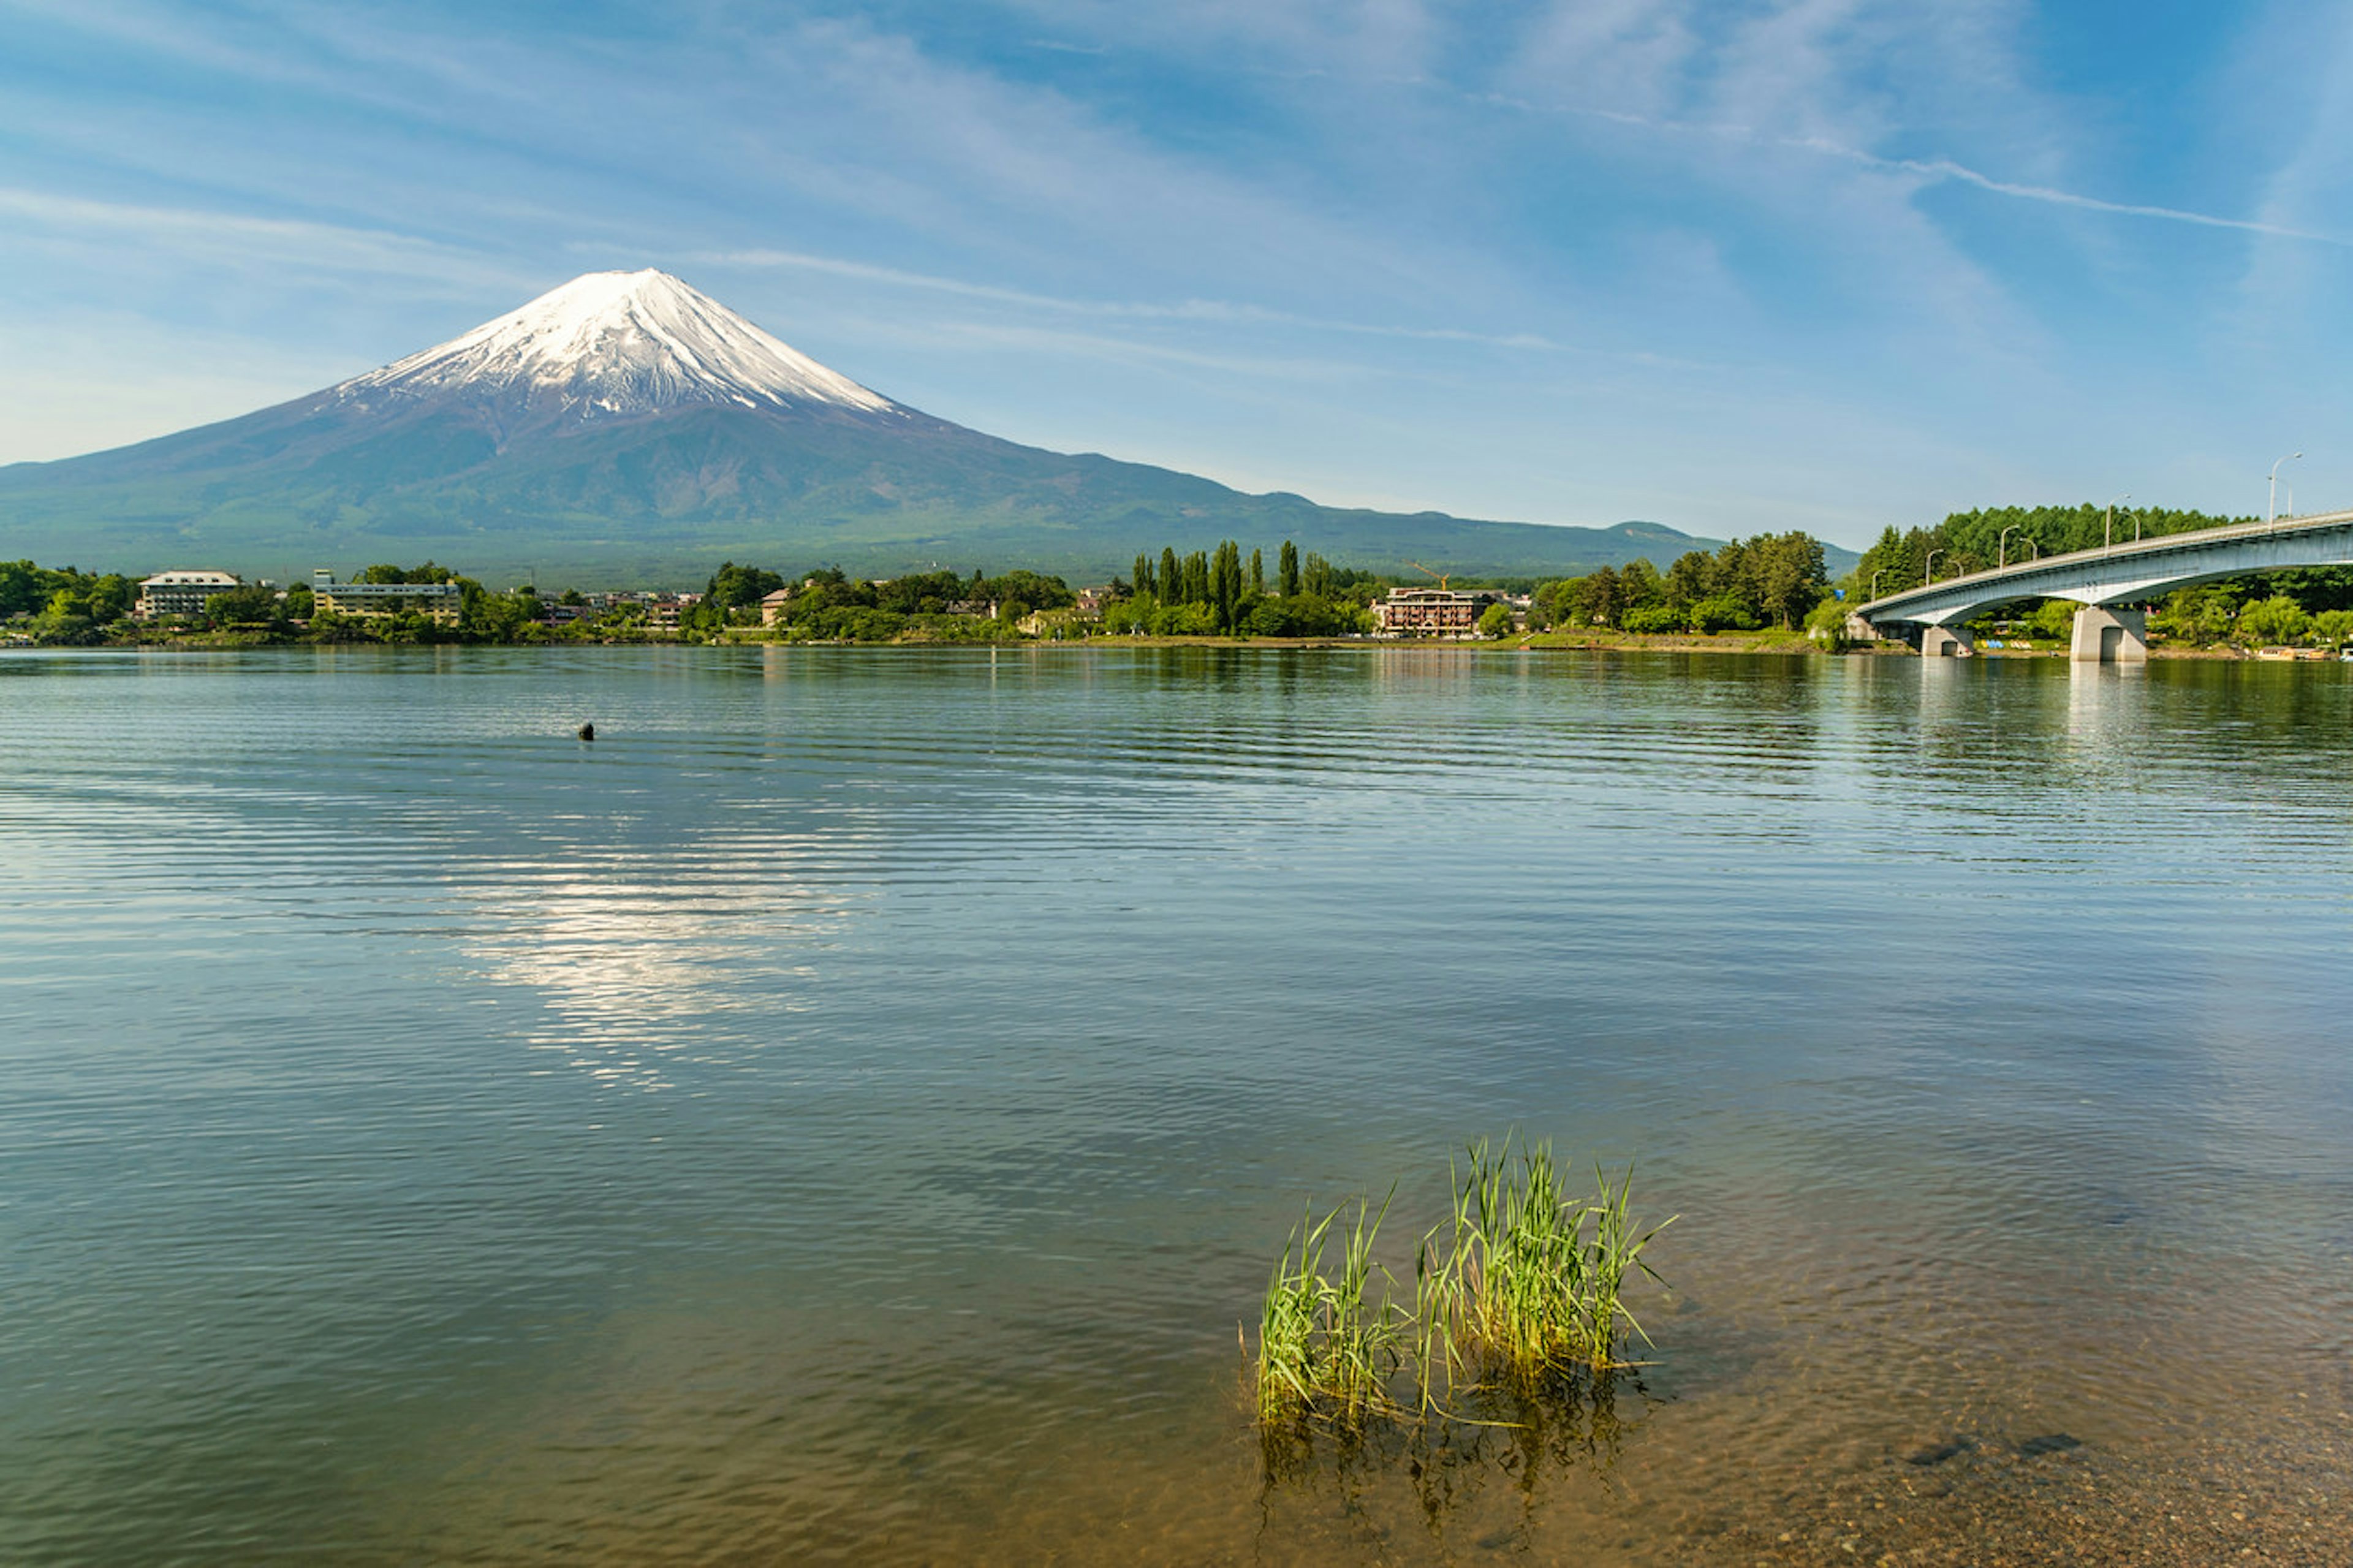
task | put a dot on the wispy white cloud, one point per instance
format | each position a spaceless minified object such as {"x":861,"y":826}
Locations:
{"x":1384,"y":40}
{"x":1933,"y":170}
{"x":1222,"y":311}
{"x":952,"y":333}
{"x":253,"y":242}
{"x":1781,"y":85}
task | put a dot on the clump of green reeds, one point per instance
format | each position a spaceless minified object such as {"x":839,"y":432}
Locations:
{"x":1526,"y":1277}
{"x":1326,"y":1349}
{"x":1524,"y":1281}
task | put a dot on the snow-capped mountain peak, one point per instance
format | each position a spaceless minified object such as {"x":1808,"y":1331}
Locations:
{"x":617,"y":343}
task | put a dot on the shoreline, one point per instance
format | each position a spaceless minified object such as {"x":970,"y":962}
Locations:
{"x":1774,"y":645}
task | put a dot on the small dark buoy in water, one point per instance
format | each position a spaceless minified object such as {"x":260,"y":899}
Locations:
{"x":587,"y":731}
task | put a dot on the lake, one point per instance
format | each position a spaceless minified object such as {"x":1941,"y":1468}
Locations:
{"x":845,"y":1111}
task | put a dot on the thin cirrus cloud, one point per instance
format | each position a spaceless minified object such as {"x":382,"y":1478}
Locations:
{"x":1218,"y":311}
{"x":249,"y":241}
{"x":1928,"y":170}
{"x":1946,"y":169}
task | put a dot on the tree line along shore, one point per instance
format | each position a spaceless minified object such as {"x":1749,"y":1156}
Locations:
{"x":1765,"y":591}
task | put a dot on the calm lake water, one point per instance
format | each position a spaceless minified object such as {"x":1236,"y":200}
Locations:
{"x":844,"y":1111}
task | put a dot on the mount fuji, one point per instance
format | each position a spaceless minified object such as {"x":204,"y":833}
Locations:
{"x":625,"y":427}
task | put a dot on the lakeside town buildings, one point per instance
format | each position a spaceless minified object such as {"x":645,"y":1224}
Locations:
{"x":180,"y":592}
{"x":661,"y":609}
{"x":185,"y":591}
{"x":1425,"y":611}
{"x":441,"y":601}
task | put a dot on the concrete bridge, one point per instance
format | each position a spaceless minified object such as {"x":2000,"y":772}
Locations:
{"x":2109,"y":583}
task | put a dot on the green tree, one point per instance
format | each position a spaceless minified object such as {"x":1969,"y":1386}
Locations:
{"x":1172,"y":577}
{"x":1287,"y":569}
{"x":1786,"y":575}
{"x":1692,"y":578}
{"x":1496,"y":620}
{"x":1192,"y":619}
{"x":1600,"y":598}
{"x":2278,"y":619}
{"x":1226,"y":582}
{"x":1317,"y":577}
{"x":248,"y":605}
{"x":733,"y":587}
{"x":1032,"y":588}
{"x":1258,"y":574}
{"x":1721,"y":613}
{"x":385,"y":573}
{"x":21,"y":590}
{"x":111,"y":597}
{"x":2201,"y":615}
{"x":2333,"y":627}
{"x":1640,"y":585}
{"x":66,"y":621}
{"x":1554,"y":602}
{"x":1146,"y":584}
{"x":2053,"y":619}
{"x":507,"y":617}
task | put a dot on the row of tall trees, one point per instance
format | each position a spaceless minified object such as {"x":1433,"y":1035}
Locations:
{"x":1773,"y":579}
{"x":828,"y":604}
{"x":1210,"y":592}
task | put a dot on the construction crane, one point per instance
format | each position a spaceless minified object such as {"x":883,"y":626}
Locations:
{"x":1441,"y":576}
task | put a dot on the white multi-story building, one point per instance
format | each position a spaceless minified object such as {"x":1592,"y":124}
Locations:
{"x":181,"y":592}
{"x":441,"y":601}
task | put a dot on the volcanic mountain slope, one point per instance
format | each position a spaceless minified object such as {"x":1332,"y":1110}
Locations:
{"x":625,"y":426}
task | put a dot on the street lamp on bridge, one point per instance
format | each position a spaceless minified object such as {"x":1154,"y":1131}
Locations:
{"x":1874,"y":580}
{"x":2001,"y":549}
{"x":2270,"y":506}
{"x":2108,"y":531}
{"x":1928,"y":572}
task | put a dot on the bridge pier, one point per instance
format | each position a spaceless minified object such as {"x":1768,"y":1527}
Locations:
{"x":2103,"y":636}
{"x":1944,"y":642}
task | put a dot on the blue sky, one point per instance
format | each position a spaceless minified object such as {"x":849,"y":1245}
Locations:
{"x":1826,"y":264}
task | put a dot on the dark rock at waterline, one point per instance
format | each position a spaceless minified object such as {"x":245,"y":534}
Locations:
{"x":2048,"y":1443}
{"x":1938,"y":1453}
{"x":587,"y":731}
